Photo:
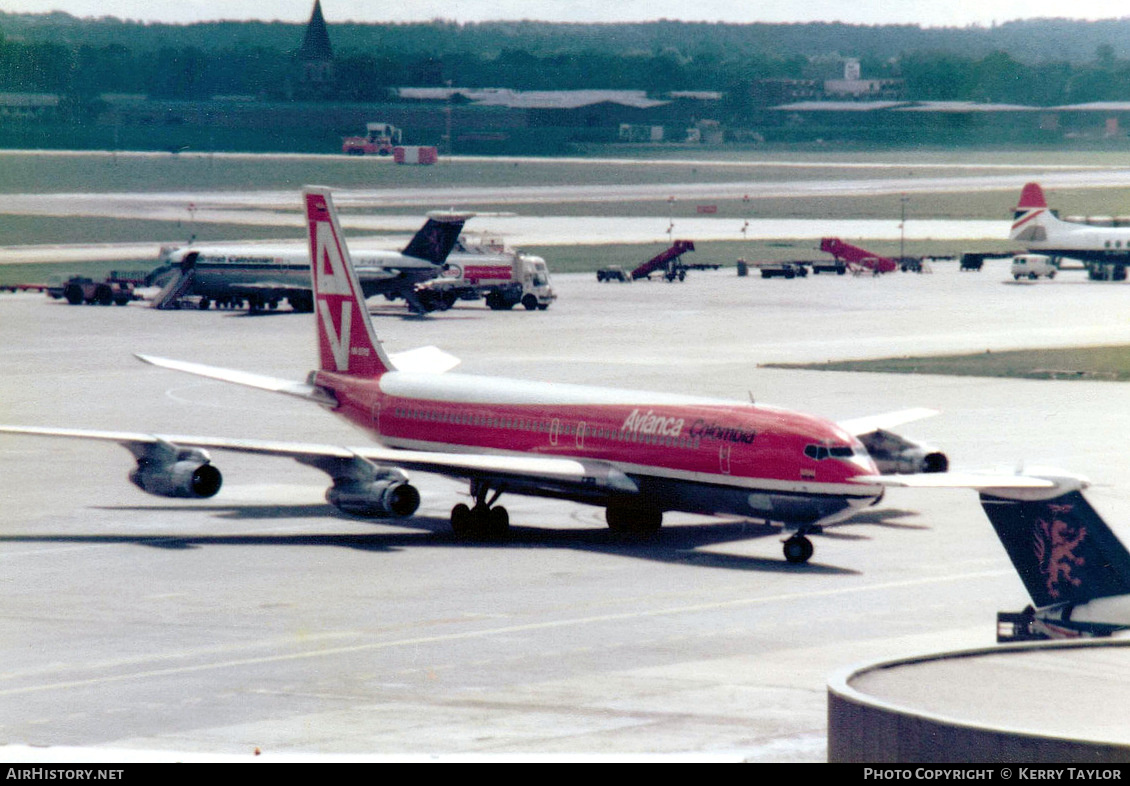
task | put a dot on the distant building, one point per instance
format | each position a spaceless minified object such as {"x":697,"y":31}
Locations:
{"x":854,"y":87}
{"x":28,"y":106}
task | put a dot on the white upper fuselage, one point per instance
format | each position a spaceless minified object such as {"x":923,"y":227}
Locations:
{"x":1042,"y":232}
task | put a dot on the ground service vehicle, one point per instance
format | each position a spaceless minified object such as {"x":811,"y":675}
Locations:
{"x":1032,"y":266}
{"x":117,"y":288}
{"x":380,"y":139}
{"x":504,"y":278}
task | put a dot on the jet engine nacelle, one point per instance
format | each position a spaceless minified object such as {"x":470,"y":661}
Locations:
{"x":374,"y":498}
{"x":189,"y":476}
{"x":895,"y":455}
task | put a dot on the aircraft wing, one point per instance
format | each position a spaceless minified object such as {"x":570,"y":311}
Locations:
{"x":527,"y":471}
{"x":866,"y":425}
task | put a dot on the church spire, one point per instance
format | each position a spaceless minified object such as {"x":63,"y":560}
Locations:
{"x":316,"y":44}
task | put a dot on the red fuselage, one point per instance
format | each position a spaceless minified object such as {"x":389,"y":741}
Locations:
{"x":691,"y":454}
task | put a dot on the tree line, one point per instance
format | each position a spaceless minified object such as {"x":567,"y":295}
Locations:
{"x":81,"y":59}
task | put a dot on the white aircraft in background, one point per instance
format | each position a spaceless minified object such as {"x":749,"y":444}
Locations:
{"x":1102,"y":247}
{"x":262,"y":276}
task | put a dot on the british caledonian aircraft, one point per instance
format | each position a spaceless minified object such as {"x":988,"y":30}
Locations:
{"x":262,"y":276}
{"x":1075,"y":569}
{"x":1102,"y":245}
{"x":638,"y":455}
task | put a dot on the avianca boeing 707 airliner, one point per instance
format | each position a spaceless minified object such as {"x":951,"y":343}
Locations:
{"x":636,"y":454}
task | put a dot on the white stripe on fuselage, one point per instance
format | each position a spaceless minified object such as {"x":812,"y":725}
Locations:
{"x":805,"y":488}
{"x":471,"y":389}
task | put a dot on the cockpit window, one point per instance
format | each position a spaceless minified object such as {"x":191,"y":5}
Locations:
{"x":821,"y":452}
{"x":818,"y":452}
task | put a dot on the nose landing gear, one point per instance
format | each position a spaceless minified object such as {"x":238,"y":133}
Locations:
{"x":798,"y":548}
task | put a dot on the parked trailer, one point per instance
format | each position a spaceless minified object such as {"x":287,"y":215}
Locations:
{"x":613,"y":273}
{"x":783,"y":270}
{"x":415,"y":154}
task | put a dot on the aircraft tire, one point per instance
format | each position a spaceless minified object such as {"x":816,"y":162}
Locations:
{"x":798,"y":549}
{"x":633,"y":521}
{"x":497,"y":523}
{"x":462,"y":522}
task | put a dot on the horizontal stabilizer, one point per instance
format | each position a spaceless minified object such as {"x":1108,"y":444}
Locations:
{"x":301,"y":390}
{"x":1031,"y":486}
{"x":888,"y":420}
{"x":431,"y":360}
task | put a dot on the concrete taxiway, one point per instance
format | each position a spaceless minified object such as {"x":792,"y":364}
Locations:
{"x":263,"y":619}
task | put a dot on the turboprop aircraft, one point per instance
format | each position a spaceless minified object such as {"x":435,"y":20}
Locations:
{"x":638,"y":455}
{"x":1076,"y":570}
{"x":262,"y":276}
{"x":1099,"y":244}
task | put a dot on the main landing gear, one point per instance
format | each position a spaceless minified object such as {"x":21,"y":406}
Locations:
{"x":625,"y":520}
{"x":484,"y":521}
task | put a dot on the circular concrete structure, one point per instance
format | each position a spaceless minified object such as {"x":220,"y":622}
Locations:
{"x":1043,"y":702}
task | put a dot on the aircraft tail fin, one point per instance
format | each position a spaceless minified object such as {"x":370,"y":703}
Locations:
{"x":435,"y":239}
{"x":1062,"y":549}
{"x":1031,"y":196}
{"x":1032,"y":220}
{"x":347,"y":343}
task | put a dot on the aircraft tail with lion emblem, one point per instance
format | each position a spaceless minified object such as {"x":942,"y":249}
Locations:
{"x":1074,"y":567}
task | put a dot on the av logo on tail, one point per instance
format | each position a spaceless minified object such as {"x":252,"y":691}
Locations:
{"x":344,"y":333}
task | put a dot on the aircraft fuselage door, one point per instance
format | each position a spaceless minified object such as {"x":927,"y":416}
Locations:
{"x":724,"y":459}
{"x":554,"y":431}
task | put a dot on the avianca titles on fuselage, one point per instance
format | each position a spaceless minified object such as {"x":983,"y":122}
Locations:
{"x":656,"y":452}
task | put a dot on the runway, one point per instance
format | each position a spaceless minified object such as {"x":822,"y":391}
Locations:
{"x":264,"y":620}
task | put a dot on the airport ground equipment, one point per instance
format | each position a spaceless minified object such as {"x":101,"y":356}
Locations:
{"x":1033,"y":266}
{"x":613,"y":273}
{"x":422,"y":155}
{"x":854,"y":256}
{"x":502,"y":277}
{"x":668,"y":262}
{"x":380,"y":139}
{"x":116,"y":288}
{"x":783,"y":270}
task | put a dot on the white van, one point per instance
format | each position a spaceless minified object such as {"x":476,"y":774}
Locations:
{"x":1033,"y":266}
